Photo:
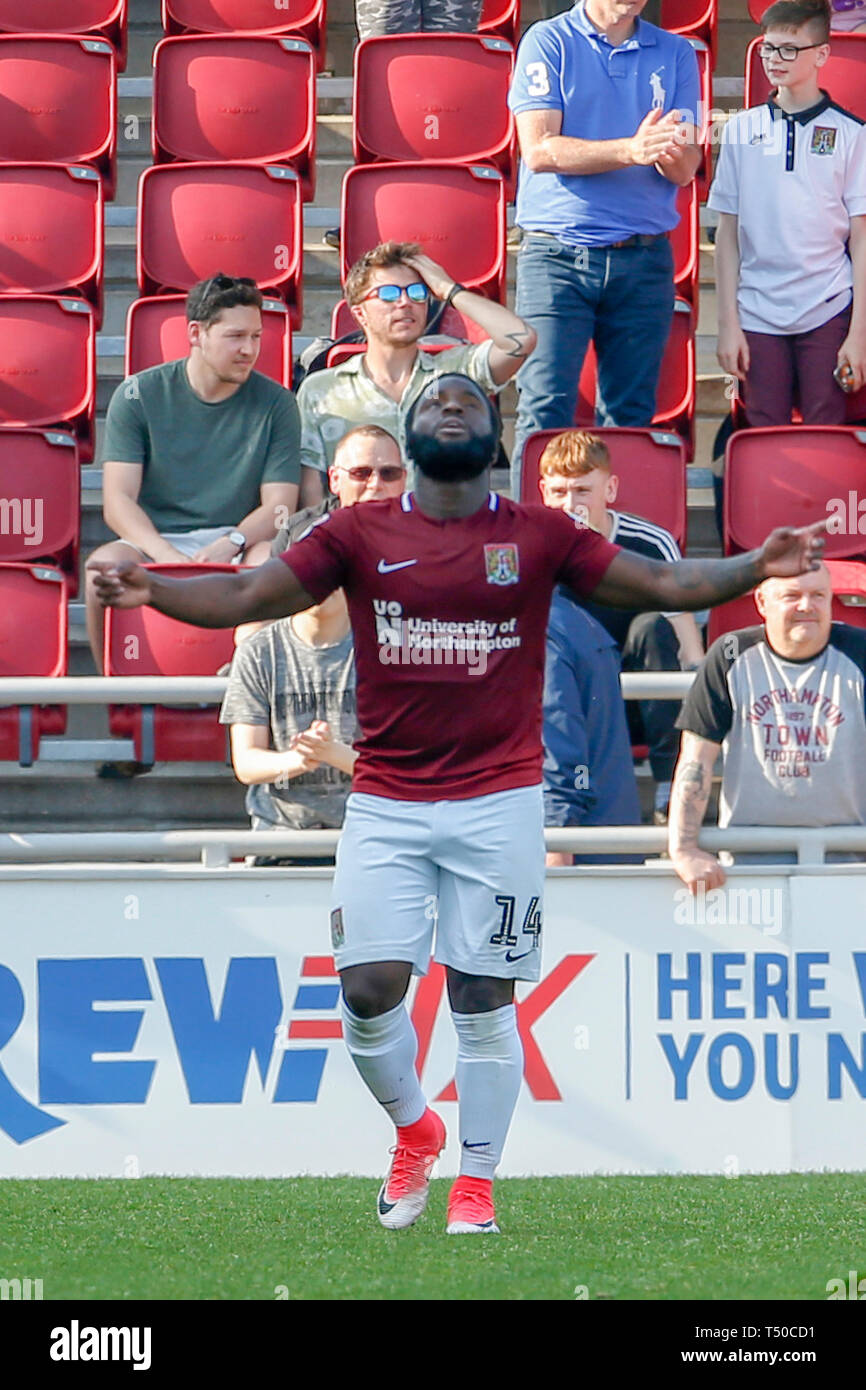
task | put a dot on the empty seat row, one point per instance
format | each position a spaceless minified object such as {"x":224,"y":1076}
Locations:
{"x":105,"y":19}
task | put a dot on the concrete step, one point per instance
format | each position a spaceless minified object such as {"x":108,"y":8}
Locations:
{"x":65,"y":796}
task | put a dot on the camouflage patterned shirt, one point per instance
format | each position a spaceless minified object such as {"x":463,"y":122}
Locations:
{"x":336,"y":400}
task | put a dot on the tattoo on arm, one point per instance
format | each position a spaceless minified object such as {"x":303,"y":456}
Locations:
{"x":691,"y":792}
{"x":519,"y":350}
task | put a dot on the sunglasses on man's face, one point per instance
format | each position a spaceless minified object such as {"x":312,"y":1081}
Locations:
{"x":416,"y":293}
{"x":390,"y":473}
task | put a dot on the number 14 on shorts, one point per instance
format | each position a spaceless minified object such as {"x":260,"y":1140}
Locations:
{"x":506,"y":935}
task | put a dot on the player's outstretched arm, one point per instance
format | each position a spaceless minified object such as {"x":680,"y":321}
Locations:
{"x":631,"y":581}
{"x":213,"y":600}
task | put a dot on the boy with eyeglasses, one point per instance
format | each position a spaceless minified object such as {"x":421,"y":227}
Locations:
{"x":388,"y":291}
{"x":790,"y":191}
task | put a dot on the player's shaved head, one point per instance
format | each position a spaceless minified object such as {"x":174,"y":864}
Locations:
{"x":452,"y":430}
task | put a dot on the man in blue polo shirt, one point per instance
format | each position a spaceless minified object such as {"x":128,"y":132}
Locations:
{"x":606,"y":108}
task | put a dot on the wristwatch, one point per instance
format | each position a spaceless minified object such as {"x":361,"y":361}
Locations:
{"x":238,"y":538}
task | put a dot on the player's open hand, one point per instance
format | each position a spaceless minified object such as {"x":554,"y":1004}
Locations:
{"x":120,"y":584}
{"x":789,"y":551}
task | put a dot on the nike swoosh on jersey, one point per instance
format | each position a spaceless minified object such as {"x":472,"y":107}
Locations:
{"x":484,"y":1143}
{"x":509,"y":957}
{"x":385,"y":568}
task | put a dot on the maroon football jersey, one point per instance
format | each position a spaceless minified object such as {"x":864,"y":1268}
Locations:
{"x":449,"y":620}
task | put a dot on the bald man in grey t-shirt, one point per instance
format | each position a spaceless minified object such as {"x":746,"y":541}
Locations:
{"x":786,"y":704}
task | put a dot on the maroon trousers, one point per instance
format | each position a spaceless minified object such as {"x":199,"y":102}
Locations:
{"x":795,"y":369}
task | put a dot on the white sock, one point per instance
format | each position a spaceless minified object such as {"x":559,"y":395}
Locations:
{"x":489,"y":1071}
{"x":384,"y":1051}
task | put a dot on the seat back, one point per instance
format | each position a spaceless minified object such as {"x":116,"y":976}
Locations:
{"x":435,"y":96}
{"x":33,"y":642}
{"x":791,"y":476}
{"x":842,"y":75}
{"x":40,"y":506}
{"x":236,"y":97}
{"x":685,"y":243}
{"x":156,"y":332}
{"x":501,"y":17}
{"x":696,"y":19}
{"x":47,"y":365}
{"x":455,"y":212}
{"x":197,"y":219}
{"x":51,"y":231}
{"x":704,"y":55}
{"x":304,"y":18}
{"x":107,"y":18}
{"x":675,"y":400}
{"x":58,"y":95}
{"x":33,"y":630}
{"x":650,"y":465}
{"x":144,"y":642}
{"x":848,"y":578}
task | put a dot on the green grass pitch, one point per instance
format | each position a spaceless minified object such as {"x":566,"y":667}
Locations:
{"x":769,"y":1237}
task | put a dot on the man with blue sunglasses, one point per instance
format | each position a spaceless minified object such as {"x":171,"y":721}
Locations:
{"x":389,"y":291}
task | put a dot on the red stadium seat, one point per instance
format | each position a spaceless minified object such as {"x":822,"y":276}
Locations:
{"x":33,"y":642}
{"x":855,"y":408}
{"x":843,"y":76}
{"x":702,"y":117}
{"x":685,"y":240}
{"x":302,"y":18}
{"x":40,"y":506}
{"x":156,"y":332}
{"x":51,"y":231}
{"x":47,"y":365}
{"x":501,"y":17}
{"x":455,"y":211}
{"x":96,"y":18}
{"x":58,"y":96}
{"x":650,"y":465}
{"x":695,"y":19}
{"x":243,"y":219}
{"x":232,"y":97}
{"x":675,"y":404}
{"x":439,"y":96}
{"x":849,"y":602}
{"x":790,"y":476}
{"x":143,"y":642}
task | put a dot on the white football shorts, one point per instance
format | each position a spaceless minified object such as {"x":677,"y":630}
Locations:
{"x":471,"y":872}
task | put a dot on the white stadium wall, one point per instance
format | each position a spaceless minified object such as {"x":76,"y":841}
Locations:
{"x":185,"y":1021}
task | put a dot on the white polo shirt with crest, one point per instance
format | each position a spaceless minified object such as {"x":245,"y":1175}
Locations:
{"x":794,"y":182}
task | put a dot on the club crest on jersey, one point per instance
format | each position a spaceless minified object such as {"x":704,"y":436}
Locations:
{"x":338,"y":931}
{"x":823,"y":139}
{"x":501,"y":564}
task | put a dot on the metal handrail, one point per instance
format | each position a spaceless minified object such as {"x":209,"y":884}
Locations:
{"x":217,"y":847}
{"x":209,"y":690}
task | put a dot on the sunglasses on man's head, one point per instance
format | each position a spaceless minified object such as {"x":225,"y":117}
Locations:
{"x":416,"y":293}
{"x":362,"y":474}
{"x":228,"y":282}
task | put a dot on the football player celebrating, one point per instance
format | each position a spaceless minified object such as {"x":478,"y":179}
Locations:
{"x":449,"y":589}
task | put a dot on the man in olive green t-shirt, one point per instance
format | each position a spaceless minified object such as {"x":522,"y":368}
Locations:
{"x":201,"y":457}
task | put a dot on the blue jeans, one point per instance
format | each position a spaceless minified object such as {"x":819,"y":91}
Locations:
{"x":622,"y":300}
